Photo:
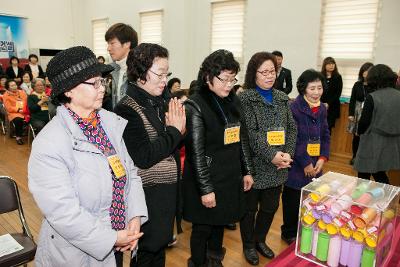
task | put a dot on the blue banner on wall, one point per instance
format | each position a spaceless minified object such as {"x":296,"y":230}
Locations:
{"x":13,"y":37}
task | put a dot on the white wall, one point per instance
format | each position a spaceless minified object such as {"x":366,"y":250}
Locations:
{"x":388,"y":37}
{"x":50,"y":23}
{"x":290,"y":26}
{"x":187,"y":25}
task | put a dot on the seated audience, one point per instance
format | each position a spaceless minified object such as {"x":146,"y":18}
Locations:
{"x":26,"y":82}
{"x":101,"y":60}
{"x":14,"y":102}
{"x":38,"y":105}
{"x":14,"y":72}
{"x":48,"y":86}
{"x":174,"y":85}
{"x":33,"y":67}
{"x":3,"y":79}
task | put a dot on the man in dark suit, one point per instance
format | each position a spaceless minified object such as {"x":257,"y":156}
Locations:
{"x":283,"y":80}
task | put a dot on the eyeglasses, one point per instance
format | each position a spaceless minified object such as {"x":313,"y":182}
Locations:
{"x":267,"y":72}
{"x":162,"y":75}
{"x":226,"y":81}
{"x":97,"y":83}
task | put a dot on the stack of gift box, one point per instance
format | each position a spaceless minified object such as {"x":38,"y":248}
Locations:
{"x":346,"y":221}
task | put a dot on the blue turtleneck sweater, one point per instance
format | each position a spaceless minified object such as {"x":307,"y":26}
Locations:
{"x":266,"y":94}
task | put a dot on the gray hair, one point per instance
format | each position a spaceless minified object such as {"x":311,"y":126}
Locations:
{"x":36,"y":80}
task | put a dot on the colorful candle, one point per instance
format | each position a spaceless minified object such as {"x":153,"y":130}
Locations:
{"x":327,"y":217}
{"x":324,"y":190}
{"x":343,"y":203}
{"x":346,"y":190}
{"x":359,"y":190}
{"x":355,"y":250}
{"x":346,"y":241}
{"x":323,"y":246}
{"x":334,"y":246}
{"x":368,"y":257}
{"x":321,"y":227}
{"x":366,"y":217}
{"x":364,"y":199}
{"x":306,"y":234}
{"x":315,"y":241}
{"x":377,"y":193}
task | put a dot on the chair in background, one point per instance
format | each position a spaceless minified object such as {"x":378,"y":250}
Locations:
{"x":31,"y":133}
{"x":10,"y":201}
{"x":3,"y":119}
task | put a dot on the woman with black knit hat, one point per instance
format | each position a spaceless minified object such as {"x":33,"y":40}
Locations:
{"x":80,"y":172}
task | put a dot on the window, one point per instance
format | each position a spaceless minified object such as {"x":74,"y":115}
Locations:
{"x":99,"y":28}
{"x":227,"y":27}
{"x":151,"y":27}
{"x":348,"y":34}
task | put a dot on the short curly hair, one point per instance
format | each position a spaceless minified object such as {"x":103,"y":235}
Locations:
{"x":307,"y":77}
{"x":381,"y":76}
{"x":141,"y":58}
{"x":212,"y":66}
{"x":254,"y":63}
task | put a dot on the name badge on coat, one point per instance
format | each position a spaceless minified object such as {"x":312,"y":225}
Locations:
{"x":116,"y":166}
{"x":314,"y":148}
{"x":232,"y":134}
{"x":276,"y":137}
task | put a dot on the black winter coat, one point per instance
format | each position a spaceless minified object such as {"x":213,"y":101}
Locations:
{"x":211,"y":166}
{"x":147,"y":151}
{"x":41,"y":73}
{"x":331,"y":95}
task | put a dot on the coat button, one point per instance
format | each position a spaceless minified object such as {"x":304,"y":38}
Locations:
{"x":52,"y":236}
{"x":75,"y":143}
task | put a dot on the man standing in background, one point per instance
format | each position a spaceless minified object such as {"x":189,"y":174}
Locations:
{"x":121,"y":38}
{"x":283,"y":80}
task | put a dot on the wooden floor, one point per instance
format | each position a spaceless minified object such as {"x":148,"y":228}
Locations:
{"x":13,"y":162}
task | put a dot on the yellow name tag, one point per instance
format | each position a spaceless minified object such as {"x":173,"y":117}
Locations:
{"x":232,"y":135}
{"x":276,"y":138}
{"x":314,"y":150}
{"x":44,"y":107}
{"x":116,"y":166}
{"x":19,"y":104}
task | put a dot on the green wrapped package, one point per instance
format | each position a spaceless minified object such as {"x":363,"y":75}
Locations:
{"x":306,"y":239}
{"x":360,"y":189}
{"x":323,"y":246}
{"x":368,"y":257}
